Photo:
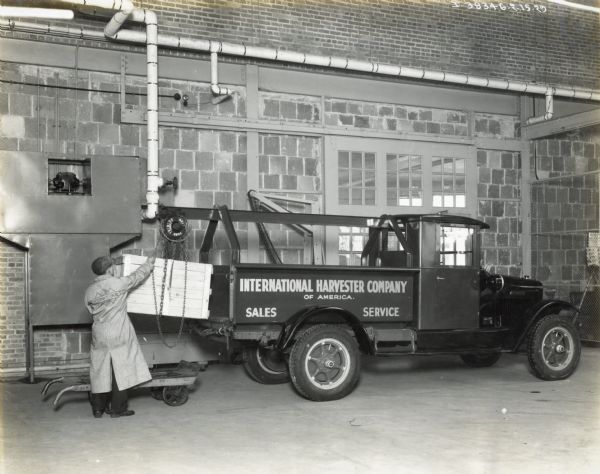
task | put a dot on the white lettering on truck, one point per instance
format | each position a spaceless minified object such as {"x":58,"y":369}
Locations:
{"x":276,"y":285}
{"x":387,"y":312}
{"x":340,"y":286}
{"x":386,"y":286}
{"x":261,"y":312}
{"x":305,"y":285}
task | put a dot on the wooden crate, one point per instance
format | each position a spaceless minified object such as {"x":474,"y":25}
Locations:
{"x":197,"y":288}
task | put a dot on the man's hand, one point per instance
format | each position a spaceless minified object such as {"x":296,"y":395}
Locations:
{"x":151,"y":260}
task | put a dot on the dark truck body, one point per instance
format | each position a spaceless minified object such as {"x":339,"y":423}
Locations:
{"x":419,"y":290}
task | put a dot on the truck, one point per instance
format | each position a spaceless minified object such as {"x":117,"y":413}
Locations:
{"x":419,"y":289}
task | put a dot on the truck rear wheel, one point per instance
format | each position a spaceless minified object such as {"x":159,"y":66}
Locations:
{"x":267,"y":366}
{"x":325,"y":363}
{"x":480,"y":360}
{"x":554,"y":348}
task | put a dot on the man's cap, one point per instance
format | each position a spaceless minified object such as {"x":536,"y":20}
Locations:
{"x":101,"y":264}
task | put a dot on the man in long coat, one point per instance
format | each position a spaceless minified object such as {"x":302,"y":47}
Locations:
{"x":117,"y":362}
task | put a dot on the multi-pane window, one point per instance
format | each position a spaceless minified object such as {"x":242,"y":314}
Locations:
{"x":393,"y":244}
{"x":448,"y":182}
{"x":404,"y":177}
{"x":356,"y":178}
{"x":351,"y":241}
{"x":456,"y":246}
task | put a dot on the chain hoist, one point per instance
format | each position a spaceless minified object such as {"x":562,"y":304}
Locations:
{"x":171,"y":245}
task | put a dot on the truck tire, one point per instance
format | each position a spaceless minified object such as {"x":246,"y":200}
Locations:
{"x":554,"y":348}
{"x":480,"y":360}
{"x":266,"y":366}
{"x":325,"y":363}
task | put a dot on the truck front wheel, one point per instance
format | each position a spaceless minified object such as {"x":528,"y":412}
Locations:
{"x":325,"y":363}
{"x":267,"y":366}
{"x":554,"y":348}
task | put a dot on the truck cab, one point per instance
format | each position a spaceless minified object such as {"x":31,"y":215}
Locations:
{"x":446,"y":250}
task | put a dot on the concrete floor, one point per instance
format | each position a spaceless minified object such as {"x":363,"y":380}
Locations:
{"x":408,"y":415}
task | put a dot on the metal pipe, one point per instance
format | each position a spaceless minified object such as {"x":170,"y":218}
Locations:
{"x":579,"y":6}
{"x":29,"y":347}
{"x":154,"y":180}
{"x":42,"y":13}
{"x":215,"y":88}
{"x":549,"y":111}
{"x":178,"y":42}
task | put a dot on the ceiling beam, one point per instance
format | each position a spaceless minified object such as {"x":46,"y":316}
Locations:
{"x":561,"y":125}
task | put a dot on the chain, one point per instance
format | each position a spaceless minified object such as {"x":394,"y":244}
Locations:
{"x":170,"y":251}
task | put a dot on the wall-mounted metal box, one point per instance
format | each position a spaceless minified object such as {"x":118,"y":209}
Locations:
{"x":63,"y":230}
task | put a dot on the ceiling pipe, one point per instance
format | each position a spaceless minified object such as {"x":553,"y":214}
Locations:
{"x":549,"y":111}
{"x":578,"y":6}
{"x":42,"y":13}
{"x":230,"y":49}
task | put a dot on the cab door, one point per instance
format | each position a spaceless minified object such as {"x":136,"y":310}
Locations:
{"x":449,"y":277}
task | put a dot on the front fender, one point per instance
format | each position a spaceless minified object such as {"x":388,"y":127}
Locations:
{"x":294,"y":323}
{"x":541,"y":309}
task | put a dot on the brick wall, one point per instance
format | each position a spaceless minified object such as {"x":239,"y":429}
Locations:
{"x":394,"y":118}
{"x":499,"y":197}
{"x":565,"y":208}
{"x":12,"y":306}
{"x":550,"y":46}
{"x":290,"y":166}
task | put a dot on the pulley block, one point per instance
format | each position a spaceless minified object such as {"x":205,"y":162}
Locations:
{"x":174,"y":227}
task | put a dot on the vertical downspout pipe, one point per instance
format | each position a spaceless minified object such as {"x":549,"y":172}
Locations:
{"x":111,"y":30}
{"x":154,"y":180}
{"x":215,"y":88}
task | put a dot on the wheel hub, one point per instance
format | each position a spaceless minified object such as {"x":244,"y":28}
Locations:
{"x":327,"y":364}
{"x":557,"y":348}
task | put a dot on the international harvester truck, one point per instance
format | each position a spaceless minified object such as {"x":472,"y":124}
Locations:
{"x":419,"y":289}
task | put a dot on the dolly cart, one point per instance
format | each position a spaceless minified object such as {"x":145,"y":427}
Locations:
{"x":170,"y":385}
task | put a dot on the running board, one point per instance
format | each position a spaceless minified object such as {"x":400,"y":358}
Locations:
{"x":393,"y":341}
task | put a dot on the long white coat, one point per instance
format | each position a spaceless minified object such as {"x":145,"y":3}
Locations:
{"x":113,"y":336}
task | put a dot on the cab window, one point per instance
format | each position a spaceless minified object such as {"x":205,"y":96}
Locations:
{"x":456,"y":246}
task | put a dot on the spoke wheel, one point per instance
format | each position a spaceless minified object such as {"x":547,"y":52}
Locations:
{"x":176,"y":395}
{"x":325,"y":363}
{"x":554,"y":348}
{"x":266,"y":366}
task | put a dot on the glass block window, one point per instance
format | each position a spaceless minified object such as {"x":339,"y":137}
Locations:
{"x":356,"y":178}
{"x":456,"y":246}
{"x":448,"y":182}
{"x":351,"y":241}
{"x":404,"y":175}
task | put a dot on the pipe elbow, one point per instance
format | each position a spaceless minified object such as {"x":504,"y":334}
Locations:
{"x":150,"y":212}
{"x":150,"y":17}
{"x":217,"y":90}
